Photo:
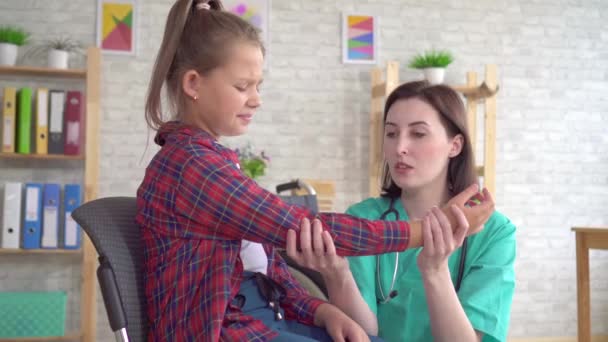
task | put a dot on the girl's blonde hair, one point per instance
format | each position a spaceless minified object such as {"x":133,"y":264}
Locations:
{"x":198,"y":36}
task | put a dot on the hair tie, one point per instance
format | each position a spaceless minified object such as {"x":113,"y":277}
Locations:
{"x":203,"y":6}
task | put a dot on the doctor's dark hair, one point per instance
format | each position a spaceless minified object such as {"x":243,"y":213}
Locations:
{"x":199,"y":35}
{"x":452,"y":114}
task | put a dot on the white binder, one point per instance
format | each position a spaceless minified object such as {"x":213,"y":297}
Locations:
{"x":11,"y":215}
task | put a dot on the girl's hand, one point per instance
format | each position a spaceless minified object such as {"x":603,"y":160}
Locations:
{"x":338,"y":325}
{"x":440,"y":240}
{"x":317,"y":250}
{"x":476,"y":215}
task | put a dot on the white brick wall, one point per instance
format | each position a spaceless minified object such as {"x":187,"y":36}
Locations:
{"x":552,"y":164}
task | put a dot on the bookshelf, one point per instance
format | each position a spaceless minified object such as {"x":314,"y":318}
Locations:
{"x":37,"y":71}
{"x":5,"y":155}
{"x":66,"y":338}
{"x":90,"y":76}
{"x":11,"y":251}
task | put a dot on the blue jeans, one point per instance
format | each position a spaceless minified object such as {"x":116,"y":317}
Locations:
{"x":289,"y":331}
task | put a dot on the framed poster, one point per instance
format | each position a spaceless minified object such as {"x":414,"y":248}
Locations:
{"x":256,"y":12}
{"x":117,"y":26}
{"x":359,"y":39}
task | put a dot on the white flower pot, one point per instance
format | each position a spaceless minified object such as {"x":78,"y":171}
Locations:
{"x":434,"y":75}
{"x":8,"y":54}
{"x":58,"y":59}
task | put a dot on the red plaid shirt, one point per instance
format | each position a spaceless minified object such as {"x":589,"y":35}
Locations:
{"x":194,"y":208}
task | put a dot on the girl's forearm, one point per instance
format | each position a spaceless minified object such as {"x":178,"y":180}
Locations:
{"x":344,"y":294}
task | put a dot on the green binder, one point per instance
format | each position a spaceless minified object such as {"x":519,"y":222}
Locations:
{"x":32,"y":314}
{"x":24,"y":120}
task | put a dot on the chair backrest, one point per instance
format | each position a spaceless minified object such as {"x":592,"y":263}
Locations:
{"x":325,"y":190}
{"x":110,"y":224}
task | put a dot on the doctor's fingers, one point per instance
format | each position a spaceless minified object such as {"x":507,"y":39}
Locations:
{"x":427,"y":236}
{"x":463,"y":226}
{"x":437,"y":231}
{"x":305,"y":237}
{"x":291,"y":248}
{"x":317,"y":238}
{"x":446,"y":229}
{"x":330,"y":248}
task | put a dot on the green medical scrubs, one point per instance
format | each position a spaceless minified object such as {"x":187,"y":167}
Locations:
{"x":486,"y":291}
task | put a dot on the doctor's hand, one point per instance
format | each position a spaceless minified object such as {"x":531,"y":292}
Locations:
{"x":476,"y":207}
{"x":440,"y":240}
{"x":317,"y":249}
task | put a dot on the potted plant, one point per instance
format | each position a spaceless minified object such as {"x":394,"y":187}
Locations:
{"x":59,"y":50}
{"x":433,"y":64}
{"x":11,"y":37}
{"x":252,"y":164}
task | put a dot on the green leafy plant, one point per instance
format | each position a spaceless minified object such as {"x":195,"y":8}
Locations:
{"x":13,"y":35}
{"x":431,"y":59}
{"x":60,"y":43}
{"x":252,"y":164}
{"x":64,"y":44}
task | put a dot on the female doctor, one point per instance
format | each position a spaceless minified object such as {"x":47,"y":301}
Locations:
{"x":451,"y":289}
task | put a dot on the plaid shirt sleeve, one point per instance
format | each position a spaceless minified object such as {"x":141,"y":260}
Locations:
{"x":298,"y":304}
{"x":214,"y":191}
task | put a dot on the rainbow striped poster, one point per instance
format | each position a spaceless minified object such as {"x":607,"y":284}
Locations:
{"x":359,"y":39}
{"x":115,"y":26}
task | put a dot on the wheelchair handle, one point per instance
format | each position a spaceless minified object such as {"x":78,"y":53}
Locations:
{"x":111,"y":295}
{"x":296,"y":184}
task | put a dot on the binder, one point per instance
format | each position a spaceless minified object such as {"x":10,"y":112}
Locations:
{"x":56,"y":112}
{"x":32,"y":222}
{"x":24,"y":120}
{"x":72,"y":200}
{"x":9,"y":119}
{"x":42,"y":119}
{"x":11,"y":215}
{"x":50,"y":216}
{"x":74,"y":116}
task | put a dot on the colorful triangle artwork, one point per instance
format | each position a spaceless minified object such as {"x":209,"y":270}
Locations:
{"x":355,"y":44}
{"x":361,"y":42}
{"x":367,"y":25}
{"x":368,"y":50}
{"x":366,"y":38}
{"x":249,"y":13}
{"x":117,"y":30}
{"x":353,"y":32}
{"x":358,"y":55}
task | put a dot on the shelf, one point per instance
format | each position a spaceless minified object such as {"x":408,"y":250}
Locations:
{"x":477,"y":93}
{"x":66,"y":338}
{"x":4,"y":155}
{"x":39,"y":251}
{"x":38,"y":71}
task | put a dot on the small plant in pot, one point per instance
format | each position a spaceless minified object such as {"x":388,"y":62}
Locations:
{"x":433,"y":64}
{"x":11,"y":37}
{"x":59,"y":50}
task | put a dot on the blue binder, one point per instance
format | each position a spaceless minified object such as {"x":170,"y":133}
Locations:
{"x":72,"y":200}
{"x":50,"y":210}
{"x":32,"y":216}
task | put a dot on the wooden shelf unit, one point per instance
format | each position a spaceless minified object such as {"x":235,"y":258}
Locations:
{"x":47,"y":72}
{"x":66,"y":338}
{"x":91,"y":77}
{"x":19,"y":251}
{"x":4,"y":155}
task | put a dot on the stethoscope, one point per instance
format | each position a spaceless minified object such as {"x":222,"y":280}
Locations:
{"x":392,"y":293}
